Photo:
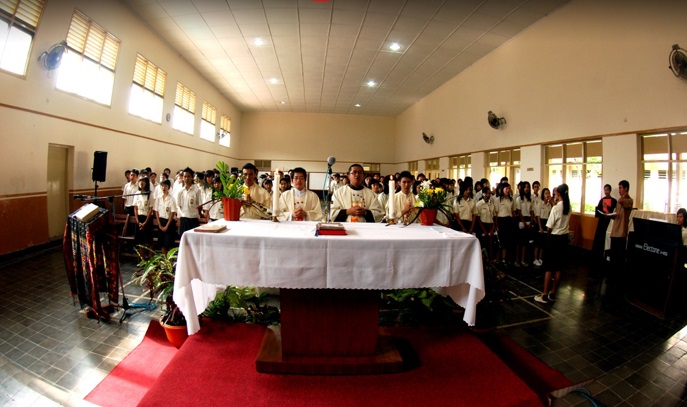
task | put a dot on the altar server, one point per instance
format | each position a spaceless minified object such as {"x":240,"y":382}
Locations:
{"x":354,"y":202}
{"x":298,"y":203}
{"x":256,"y":193}
{"x":404,"y":200}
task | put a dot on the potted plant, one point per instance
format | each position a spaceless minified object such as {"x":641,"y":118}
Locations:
{"x":432,"y":199}
{"x":231,"y":193}
{"x":157,"y":275}
{"x":243,"y":304}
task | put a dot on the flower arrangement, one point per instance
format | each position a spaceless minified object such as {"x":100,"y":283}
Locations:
{"x":232,"y":186}
{"x":433,"y":197}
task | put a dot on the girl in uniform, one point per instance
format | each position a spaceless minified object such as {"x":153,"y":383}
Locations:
{"x":485,"y":211}
{"x":504,"y":206}
{"x":165,"y":209}
{"x":143,"y":210}
{"x":464,"y":209}
{"x":524,"y":211}
{"x":543,"y":211}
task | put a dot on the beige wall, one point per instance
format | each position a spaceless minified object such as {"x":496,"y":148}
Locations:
{"x":307,"y":139}
{"x":592,"y":68}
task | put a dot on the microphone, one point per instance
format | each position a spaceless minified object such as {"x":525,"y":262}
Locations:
{"x":80,"y":197}
{"x":331,"y":160}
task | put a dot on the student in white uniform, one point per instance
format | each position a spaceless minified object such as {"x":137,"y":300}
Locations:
{"x":525,"y":214}
{"x":188,"y":200}
{"x":354,"y":202}
{"x":144,"y":204}
{"x":557,"y":228}
{"x":464,"y":209}
{"x":378,"y":189}
{"x":165,"y":211}
{"x":217,"y":208}
{"x":544,"y":209}
{"x":504,"y":207}
{"x":129,"y":190}
{"x":485,"y":214}
{"x":298,"y":203}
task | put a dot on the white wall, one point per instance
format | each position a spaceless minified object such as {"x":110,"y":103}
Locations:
{"x":619,"y":163}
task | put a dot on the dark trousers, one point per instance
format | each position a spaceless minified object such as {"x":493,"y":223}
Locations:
{"x":187,"y":224}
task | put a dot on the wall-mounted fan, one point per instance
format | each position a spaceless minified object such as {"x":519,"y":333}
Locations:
{"x":52,"y":58}
{"x":428,"y":139}
{"x":678,"y":61}
{"x":495,"y":121}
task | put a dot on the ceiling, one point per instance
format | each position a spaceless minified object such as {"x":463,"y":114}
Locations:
{"x":318,"y":56}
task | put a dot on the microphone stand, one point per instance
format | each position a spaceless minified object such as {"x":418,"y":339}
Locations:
{"x":125,"y":303}
{"x":328,"y":185}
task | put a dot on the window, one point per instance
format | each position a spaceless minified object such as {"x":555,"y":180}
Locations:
{"x":224,"y":131}
{"x":263,"y":165}
{"x":579,"y":165}
{"x":412,"y":167}
{"x":504,"y":163}
{"x":460,"y":166}
{"x":664,"y":157}
{"x":18,"y":22}
{"x":184,"y":109}
{"x":371,"y":167}
{"x":207,"y":124}
{"x":88,"y":66}
{"x":432,"y":168}
{"x":147,"y":90}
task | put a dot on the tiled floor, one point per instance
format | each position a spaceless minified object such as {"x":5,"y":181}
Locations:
{"x":51,"y":354}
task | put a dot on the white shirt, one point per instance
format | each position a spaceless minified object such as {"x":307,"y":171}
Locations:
{"x":485,"y":211}
{"x":503,"y":207}
{"x":187,"y":201}
{"x":524,"y":206}
{"x":465,"y":209}
{"x":129,"y":189}
{"x":165,"y":206}
{"x":144,"y":203}
{"x":400,"y":202}
{"x":260,"y":195}
{"x":557,"y":221}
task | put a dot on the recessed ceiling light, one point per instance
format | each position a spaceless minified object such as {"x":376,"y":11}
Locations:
{"x":357,"y":105}
{"x":395,"y":46}
{"x":282,"y":102}
{"x":274,"y":81}
{"x":371,"y":83}
{"x":258,"y":42}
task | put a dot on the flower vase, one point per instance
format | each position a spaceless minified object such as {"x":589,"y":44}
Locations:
{"x":428,"y":216}
{"x":232,"y":208}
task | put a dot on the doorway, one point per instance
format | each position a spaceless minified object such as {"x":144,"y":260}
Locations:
{"x":57,"y":190}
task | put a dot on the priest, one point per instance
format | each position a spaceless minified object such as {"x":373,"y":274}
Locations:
{"x":298,"y":203}
{"x":354,"y":202}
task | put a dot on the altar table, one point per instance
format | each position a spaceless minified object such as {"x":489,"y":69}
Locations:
{"x":288,"y":255}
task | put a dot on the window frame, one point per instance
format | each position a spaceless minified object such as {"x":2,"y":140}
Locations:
{"x":568,"y":162}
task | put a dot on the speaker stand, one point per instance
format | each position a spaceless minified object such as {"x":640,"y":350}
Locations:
{"x":95,"y":193}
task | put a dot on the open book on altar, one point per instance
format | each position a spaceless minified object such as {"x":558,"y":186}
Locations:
{"x":324,"y":228}
{"x":211,"y":228}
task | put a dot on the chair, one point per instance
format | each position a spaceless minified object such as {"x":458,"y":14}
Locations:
{"x":127,"y":237}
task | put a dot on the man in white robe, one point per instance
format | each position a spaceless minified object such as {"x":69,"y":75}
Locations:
{"x":256,"y":194}
{"x":404,"y":200}
{"x":354,"y":202}
{"x":298,"y":203}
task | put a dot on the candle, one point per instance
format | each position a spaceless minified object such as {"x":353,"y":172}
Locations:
{"x":392,"y":192}
{"x":275,"y":193}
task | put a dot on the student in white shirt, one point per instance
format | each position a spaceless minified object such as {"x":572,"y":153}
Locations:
{"x":504,"y":207}
{"x":129,"y":190}
{"x":188,"y":200}
{"x":464,"y":208}
{"x":485,"y":214}
{"x":557,"y":228}
{"x":144,"y":204}
{"x":543,"y":210}
{"x":525,"y":213}
{"x":165,"y":210}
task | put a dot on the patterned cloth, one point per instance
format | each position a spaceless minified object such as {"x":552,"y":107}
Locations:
{"x":90,"y":257}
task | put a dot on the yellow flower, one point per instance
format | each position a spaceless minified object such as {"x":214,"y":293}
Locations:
{"x":246,"y":190}
{"x":439,"y":190}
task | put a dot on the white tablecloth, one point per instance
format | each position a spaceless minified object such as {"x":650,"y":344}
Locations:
{"x":289,"y":255}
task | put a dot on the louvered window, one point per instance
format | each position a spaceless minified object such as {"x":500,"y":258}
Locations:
{"x":184,"y":109}
{"x":18,"y":22}
{"x":88,"y":68}
{"x":225,"y":131}
{"x":207,"y":124}
{"x":147,"y":90}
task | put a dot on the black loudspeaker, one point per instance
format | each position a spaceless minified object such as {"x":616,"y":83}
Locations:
{"x":234,"y":169}
{"x":99,"y":166}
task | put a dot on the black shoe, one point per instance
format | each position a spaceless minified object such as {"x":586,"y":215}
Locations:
{"x":552,"y":297}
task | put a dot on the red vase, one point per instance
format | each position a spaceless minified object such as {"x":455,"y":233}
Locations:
{"x":176,"y":335}
{"x":428,"y":216}
{"x":232,"y":208}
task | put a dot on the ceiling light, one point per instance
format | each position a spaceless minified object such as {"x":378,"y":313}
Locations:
{"x":274,"y":81}
{"x":258,"y":42}
{"x":371,"y":83}
{"x":357,"y":105}
{"x":282,"y":102}
{"x":395,"y":46}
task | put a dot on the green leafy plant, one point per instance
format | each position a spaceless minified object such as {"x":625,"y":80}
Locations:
{"x":416,"y":306}
{"x":232,"y":185}
{"x":243,"y":304}
{"x":432,"y":196}
{"x":157,"y":275}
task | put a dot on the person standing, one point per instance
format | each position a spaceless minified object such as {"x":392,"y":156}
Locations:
{"x":165,"y":210}
{"x":606,"y":206}
{"x":256,"y":194}
{"x":557,"y":229}
{"x":355,"y":203}
{"x":621,"y":220}
{"x":404,"y":200}
{"x":298,"y":203}
{"x":188,"y":200}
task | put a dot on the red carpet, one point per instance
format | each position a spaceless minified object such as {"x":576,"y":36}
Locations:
{"x":217,"y":367}
{"x":131,"y":379}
